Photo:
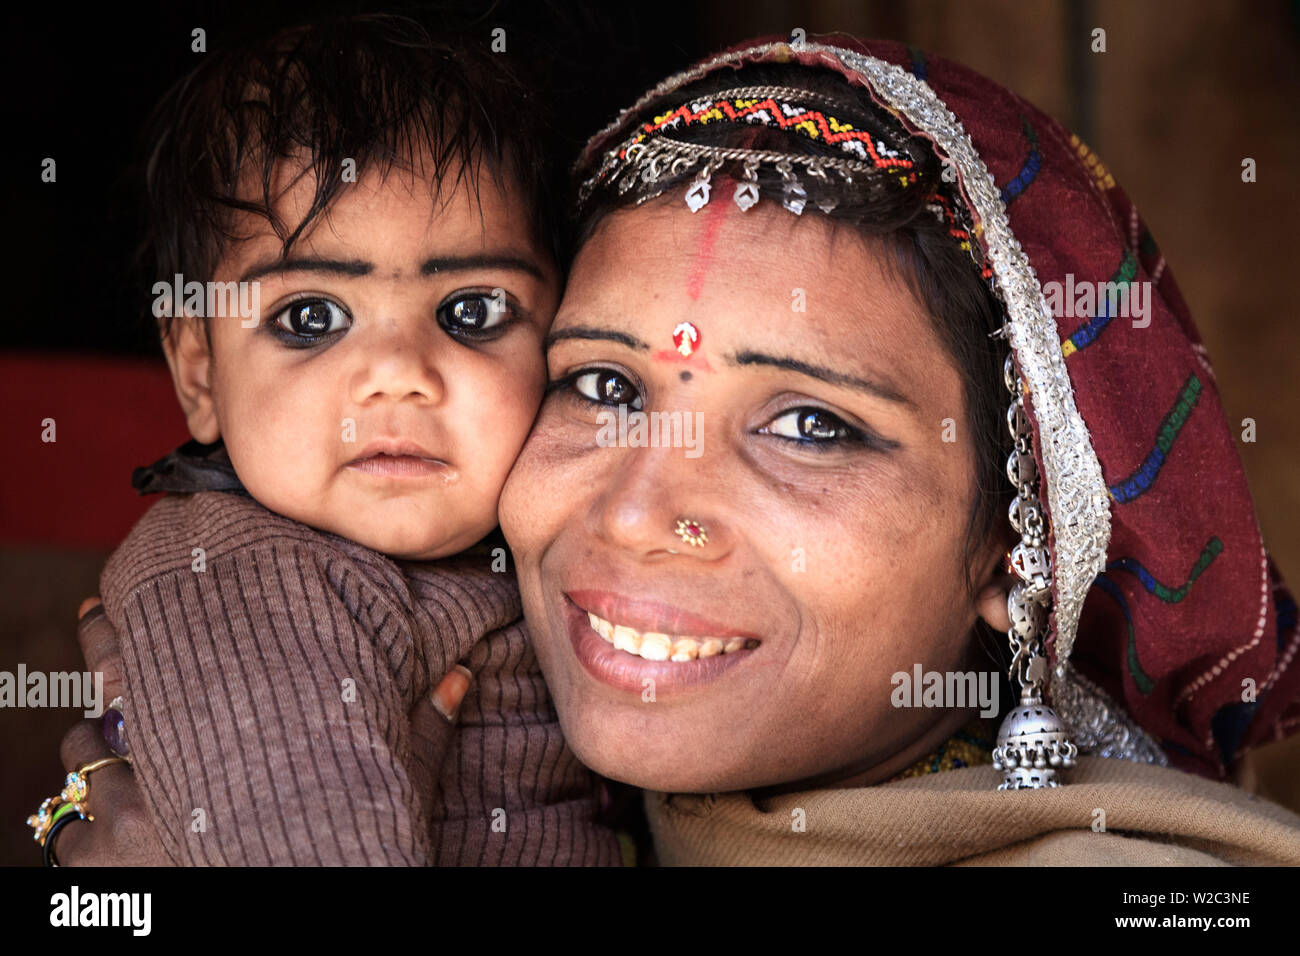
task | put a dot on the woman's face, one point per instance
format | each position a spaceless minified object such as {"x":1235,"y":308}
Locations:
{"x":834,"y":507}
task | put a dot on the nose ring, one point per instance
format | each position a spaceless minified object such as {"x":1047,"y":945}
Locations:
{"x":692,"y":532}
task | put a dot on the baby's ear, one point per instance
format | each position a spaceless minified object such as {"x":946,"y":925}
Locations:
{"x":190,"y":358}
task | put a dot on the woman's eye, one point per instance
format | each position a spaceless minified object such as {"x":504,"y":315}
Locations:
{"x":313,"y":318}
{"x":476,"y":312}
{"x":812,"y":425}
{"x":608,"y":388}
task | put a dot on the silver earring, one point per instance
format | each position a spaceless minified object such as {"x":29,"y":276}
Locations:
{"x":1033,"y":741}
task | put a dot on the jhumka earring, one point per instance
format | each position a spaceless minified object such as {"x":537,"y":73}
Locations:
{"x":1032,"y":742}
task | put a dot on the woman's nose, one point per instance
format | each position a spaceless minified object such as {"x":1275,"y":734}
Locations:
{"x":659,"y":503}
{"x":397,"y":365}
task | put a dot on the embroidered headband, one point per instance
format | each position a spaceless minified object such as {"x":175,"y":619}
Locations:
{"x":652,"y":159}
{"x":657,"y":159}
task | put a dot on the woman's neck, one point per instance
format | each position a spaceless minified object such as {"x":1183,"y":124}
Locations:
{"x":874,"y":770}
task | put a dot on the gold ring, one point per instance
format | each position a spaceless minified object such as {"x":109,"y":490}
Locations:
{"x":76,"y":789}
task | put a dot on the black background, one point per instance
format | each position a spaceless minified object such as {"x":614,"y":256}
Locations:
{"x":80,"y":83}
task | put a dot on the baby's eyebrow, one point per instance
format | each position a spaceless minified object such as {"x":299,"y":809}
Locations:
{"x":347,"y":267}
{"x":438,"y":264}
{"x":435,"y":265}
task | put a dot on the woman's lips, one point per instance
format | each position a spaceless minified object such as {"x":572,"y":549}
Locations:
{"x":628,"y":671}
{"x":648,"y":615}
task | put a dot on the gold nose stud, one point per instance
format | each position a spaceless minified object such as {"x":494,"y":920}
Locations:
{"x":692,"y":532}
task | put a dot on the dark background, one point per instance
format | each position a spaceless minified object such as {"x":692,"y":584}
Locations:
{"x":1183,"y":93}
{"x":81,"y":87}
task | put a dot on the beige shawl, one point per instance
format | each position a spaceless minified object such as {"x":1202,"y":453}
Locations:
{"x":1110,"y":813}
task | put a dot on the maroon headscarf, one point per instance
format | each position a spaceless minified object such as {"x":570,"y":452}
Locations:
{"x":1178,"y":631}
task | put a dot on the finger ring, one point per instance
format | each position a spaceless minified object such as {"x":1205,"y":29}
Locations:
{"x":77,"y":783}
{"x":62,"y":817}
{"x":113,"y":727}
{"x":71,"y":799}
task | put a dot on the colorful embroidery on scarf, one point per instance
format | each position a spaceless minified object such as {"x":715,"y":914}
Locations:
{"x":812,"y":123}
{"x":1084,"y":336}
{"x":1137,"y":483}
{"x":943,"y":210}
{"x":1169,"y":595}
{"x":1144,"y":683}
{"x":1100,"y":174}
{"x":1212,"y":549}
{"x":1033,"y":162}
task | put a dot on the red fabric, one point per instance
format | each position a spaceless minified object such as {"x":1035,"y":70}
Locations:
{"x":1181,"y":674}
{"x":110,"y":415}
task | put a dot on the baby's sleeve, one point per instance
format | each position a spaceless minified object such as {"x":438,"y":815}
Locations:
{"x":268,"y":693}
{"x":511,"y":792}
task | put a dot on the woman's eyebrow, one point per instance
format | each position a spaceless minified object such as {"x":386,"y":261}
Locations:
{"x":591,"y":332}
{"x":878,"y":389}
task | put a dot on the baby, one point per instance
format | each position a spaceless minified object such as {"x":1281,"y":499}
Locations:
{"x":328,"y":552}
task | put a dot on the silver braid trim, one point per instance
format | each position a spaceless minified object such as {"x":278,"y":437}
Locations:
{"x":1099,"y":725}
{"x":1077,"y":498}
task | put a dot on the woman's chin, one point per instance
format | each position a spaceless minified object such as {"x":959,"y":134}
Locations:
{"x":636,"y":749}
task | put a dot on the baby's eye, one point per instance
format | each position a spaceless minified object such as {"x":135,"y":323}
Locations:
{"x":811,"y":425}
{"x":474,"y":312}
{"x":313,"y":318}
{"x":608,"y":388}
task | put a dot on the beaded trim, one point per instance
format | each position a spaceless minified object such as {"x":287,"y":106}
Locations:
{"x":650,"y":151}
{"x":758,"y":105}
{"x":1076,"y":491}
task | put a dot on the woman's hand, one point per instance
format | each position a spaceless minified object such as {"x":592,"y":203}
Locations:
{"x":121,"y":833}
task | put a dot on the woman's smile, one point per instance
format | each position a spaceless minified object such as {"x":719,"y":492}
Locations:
{"x":643,"y":645}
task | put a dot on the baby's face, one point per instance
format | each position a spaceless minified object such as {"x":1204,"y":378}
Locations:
{"x":397,"y":365}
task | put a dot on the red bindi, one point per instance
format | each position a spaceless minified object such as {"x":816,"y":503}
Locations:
{"x":686,"y":337}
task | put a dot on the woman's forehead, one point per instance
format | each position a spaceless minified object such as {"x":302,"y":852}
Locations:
{"x":758,"y":289}
{"x":760,"y":275}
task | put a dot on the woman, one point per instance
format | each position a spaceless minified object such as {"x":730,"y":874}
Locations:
{"x":837,"y":255}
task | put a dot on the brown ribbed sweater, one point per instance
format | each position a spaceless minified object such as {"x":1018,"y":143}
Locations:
{"x":271,"y":690}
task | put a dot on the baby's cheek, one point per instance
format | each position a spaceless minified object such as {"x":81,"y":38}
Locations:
{"x":282,"y":450}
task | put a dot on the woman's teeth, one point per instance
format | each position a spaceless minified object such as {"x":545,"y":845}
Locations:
{"x":654,"y":646}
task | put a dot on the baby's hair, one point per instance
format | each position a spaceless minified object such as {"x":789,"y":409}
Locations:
{"x":375,"y":89}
